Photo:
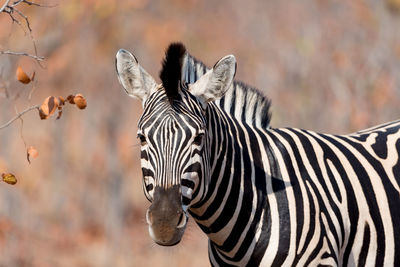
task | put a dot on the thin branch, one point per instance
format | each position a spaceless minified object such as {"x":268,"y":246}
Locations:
{"x":21,"y":129}
{"x":19,"y":115}
{"x":31,"y":3}
{"x":8,"y":52}
{"x":14,"y":20}
{"x":4,"y":6}
{"x":25,"y":18}
{"x":17,"y":2}
{"x":13,"y":12}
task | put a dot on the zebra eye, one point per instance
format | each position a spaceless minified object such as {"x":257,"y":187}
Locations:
{"x":142,"y":139}
{"x":198,"y":139}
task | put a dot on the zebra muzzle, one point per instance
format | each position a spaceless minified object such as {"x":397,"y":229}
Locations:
{"x":165,"y":217}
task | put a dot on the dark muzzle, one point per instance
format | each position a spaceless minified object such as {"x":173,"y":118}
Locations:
{"x":166,"y":218}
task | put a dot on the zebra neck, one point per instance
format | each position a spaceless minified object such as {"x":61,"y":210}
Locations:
{"x":246,"y":104}
{"x":235,"y":200}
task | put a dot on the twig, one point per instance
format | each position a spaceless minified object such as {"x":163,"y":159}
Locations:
{"x":8,"y":52}
{"x":14,"y":20}
{"x":25,"y":18}
{"x":4,"y":6}
{"x":22,"y":128}
{"x":16,"y":16}
{"x":31,"y":3}
{"x":19,"y":115}
{"x":16,"y":3}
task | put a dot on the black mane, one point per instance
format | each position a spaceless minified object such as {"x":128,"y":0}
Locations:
{"x":170,"y":73}
{"x":251,"y":97}
{"x":178,"y":65}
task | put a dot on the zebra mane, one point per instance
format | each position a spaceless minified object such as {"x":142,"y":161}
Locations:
{"x":170,"y":73}
{"x":242,"y":101}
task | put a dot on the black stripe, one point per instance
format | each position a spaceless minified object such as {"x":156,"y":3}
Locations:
{"x":369,"y":196}
{"x":393,"y":201}
{"x":364,"y":249}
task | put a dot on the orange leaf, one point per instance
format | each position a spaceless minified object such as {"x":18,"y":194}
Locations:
{"x":22,"y":76}
{"x":70,"y":99}
{"x":80,"y":101}
{"x":62,"y":100}
{"x":48,"y":107}
{"x":59,"y":114}
{"x":42,"y":115}
{"x":9,"y":178}
{"x":31,"y":152}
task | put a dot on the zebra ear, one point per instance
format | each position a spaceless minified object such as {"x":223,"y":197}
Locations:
{"x":216,"y":81}
{"x":135,"y":80}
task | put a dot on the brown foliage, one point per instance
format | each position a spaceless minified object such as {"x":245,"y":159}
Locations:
{"x":9,"y":178}
{"x":31,"y":153}
{"x":48,"y":107}
{"x":80,"y":101}
{"x":51,"y":104}
{"x":23,"y":77}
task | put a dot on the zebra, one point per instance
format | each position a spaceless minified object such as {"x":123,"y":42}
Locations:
{"x":264,"y":196}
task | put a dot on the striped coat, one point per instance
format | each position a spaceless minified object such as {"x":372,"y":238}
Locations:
{"x":264,"y":196}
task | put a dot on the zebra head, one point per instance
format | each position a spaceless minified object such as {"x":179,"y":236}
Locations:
{"x":173,"y":135}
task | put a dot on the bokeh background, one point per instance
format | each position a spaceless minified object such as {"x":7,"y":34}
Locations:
{"x":331,"y":66}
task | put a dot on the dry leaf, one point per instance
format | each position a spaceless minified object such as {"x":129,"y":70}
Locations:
{"x":62,"y":100}
{"x":22,"y":76}
{"x":80,"y":101}
{"x":9,"y":178}
{"x":42,"y":115}
{"x":31,"y":152}
{"x":59,"y":114}
{"x":49,"y":106}
{"x":70,"y":99}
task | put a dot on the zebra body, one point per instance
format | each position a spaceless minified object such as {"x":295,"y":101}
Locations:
{"x":264,"y":196}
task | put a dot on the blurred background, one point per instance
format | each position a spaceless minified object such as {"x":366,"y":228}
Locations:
{"x":329,"y":66}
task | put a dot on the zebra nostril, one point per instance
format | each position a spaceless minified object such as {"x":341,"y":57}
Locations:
{"x":181,"y":221}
